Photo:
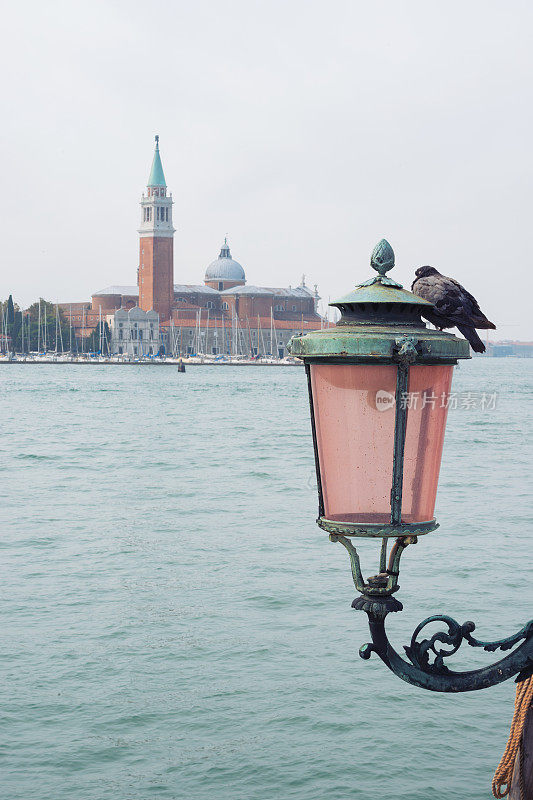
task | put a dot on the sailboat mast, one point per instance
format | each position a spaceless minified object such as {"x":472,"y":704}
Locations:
{"x":262,"y":337}
{"x":39,"y":328}
{"x":60,"y":331}
{"x":249,"y":336}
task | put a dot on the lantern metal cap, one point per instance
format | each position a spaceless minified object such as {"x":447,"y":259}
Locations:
{"x":380,"y":288}
{"x":376,"y":318}
{"x":377,"y":292}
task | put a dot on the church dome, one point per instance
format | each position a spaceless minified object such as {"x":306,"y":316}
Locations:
{"x":224,"y":268}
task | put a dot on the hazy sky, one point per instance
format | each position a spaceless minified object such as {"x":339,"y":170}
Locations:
{"x":305,"y":130}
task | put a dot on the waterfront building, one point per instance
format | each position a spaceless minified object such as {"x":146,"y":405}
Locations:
{"x":134,"y":332}
{"x":222,"y":315}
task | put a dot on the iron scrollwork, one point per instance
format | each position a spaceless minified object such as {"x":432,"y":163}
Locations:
{"x":426,"y":666}
{"x":419,"y":653}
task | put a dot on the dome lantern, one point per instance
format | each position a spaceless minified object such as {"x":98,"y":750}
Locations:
{"x":224,"y":272}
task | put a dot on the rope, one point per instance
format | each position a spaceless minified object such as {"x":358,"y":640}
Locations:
{"x":501,"y":783}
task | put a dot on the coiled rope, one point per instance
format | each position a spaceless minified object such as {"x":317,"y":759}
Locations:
{"x":501,"y":783}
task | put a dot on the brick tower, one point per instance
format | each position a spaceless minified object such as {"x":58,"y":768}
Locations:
{"x":156,"y":245}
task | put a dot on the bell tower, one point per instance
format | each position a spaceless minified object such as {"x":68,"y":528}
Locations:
{"x":156,"y":244}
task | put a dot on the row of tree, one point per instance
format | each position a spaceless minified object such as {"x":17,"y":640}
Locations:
{"x":44,"y":327}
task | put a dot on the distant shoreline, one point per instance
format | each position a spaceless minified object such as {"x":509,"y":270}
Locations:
{"x":137,"y":364}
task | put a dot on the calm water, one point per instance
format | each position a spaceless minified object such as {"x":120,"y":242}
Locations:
{"x":174,"y":624}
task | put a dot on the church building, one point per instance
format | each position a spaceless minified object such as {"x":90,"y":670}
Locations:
{"x":222,"y":315}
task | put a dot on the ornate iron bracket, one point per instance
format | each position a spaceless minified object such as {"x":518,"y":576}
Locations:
{"x":435,"y":675}
{"x":425,"y":667}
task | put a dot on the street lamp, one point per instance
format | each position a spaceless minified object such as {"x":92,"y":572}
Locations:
{"x":379,"y":385}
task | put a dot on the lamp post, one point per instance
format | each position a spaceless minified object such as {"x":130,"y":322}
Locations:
{"x":379,"y":385}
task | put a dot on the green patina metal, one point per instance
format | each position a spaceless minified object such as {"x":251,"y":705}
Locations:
{"x":375,"y":319}
{"x":381,"y":324}
{"x":382,"y":260}
{"x":377,"y":530}
{"x":377,"y":345}
{"x":426,"y":666}
{"x":407,"y":350}
{"x":157,"y":176}
{"x":385,"y":583}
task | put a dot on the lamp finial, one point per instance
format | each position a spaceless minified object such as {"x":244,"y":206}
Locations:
{"x":382,"y":258}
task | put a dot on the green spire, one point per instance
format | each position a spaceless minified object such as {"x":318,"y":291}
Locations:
{"x":157,"y":176}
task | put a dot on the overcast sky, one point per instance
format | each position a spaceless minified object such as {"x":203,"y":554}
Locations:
{"x":305,"y":130}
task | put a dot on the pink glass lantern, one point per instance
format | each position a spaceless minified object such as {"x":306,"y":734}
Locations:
{"x":354,"y":423}
{"x":379,"y":384}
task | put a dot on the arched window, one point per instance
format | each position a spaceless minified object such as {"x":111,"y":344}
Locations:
{"x":210,"y":304}
{"x":225,"y":306}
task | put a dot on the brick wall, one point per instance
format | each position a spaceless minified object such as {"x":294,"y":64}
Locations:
{"x":156,"y":275}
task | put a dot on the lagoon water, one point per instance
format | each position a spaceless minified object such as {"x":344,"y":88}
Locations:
{"x":174,"y":624}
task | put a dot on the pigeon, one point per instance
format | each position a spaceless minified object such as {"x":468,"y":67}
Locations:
{"x":453,"y":305}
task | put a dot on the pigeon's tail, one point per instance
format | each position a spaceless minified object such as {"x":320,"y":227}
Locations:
{"x":481,"y":322}
{"x":475,"y":342}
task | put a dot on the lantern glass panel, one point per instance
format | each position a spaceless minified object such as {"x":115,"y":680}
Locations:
{"x":354,"y":411}
{"x":429,"y":389}
{"x":355,"y":439}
